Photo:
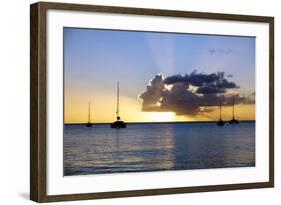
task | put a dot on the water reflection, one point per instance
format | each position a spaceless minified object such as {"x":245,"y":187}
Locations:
{"x":152,"y":147}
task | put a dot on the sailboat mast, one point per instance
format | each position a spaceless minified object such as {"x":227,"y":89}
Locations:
{"x":220,"y":109}
{"x":117,"y":110}
{"x":118,"y":123}
{"x":89,"y":112}
{"x":233,"y":107}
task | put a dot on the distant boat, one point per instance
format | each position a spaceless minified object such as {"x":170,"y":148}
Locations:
{"x":118,"y":123}
{"x":233,"y":121}
{"x":89,"y":124}
{"x":220,"y":122}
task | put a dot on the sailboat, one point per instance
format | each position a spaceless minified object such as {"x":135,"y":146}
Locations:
{"x":118,"y":123}
{"x":220,"y":122}
{"x":89,"y":124}
{"x":233,"y":121}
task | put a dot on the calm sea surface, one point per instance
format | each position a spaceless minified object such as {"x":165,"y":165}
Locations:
{"x":153,"y":147}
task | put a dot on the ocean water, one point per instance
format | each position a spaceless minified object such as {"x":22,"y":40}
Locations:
{"x":157,"y":146}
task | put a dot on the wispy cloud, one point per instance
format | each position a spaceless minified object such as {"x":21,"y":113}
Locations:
{"x":220,"y":51}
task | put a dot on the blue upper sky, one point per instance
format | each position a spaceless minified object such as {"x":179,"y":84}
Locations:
{"x":133,"y":58}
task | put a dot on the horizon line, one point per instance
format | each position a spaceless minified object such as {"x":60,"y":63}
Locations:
{"x":204,"y":121}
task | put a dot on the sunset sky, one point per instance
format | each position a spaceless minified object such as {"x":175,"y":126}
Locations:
{"x":183,"y":73}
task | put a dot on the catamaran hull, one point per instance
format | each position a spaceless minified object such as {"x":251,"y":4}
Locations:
{"x":220,"y":123}
{"x":118,"y":124}
{"x":233,"y":122}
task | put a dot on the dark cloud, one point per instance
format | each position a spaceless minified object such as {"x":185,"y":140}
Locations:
{"x":208,"y":90}
{"x":177,"y":79}
{"x":195,"y":79}
{"x":180,"y":100}
{"x":206,"y":82}
{"x":200,"y":79}
{"x":153,"y":93}
{"x":225,"y":84}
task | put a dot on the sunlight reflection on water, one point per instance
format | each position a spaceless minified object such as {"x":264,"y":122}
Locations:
{"x":153,"y":147}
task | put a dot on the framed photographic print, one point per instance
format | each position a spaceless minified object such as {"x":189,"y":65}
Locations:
{"x":134,"y":102}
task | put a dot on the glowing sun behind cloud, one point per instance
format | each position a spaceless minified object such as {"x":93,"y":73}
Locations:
{"x":95,"y":59}
{"x":161,"y":116}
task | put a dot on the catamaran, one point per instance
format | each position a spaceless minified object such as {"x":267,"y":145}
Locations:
{"x":118,"y":123}
{"x":89,"y":124}
{"x":233,"y":121}
{"x":220,"y":122}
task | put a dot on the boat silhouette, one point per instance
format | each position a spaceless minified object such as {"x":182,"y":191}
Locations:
{"x":233,"y":121}
{"x":220,"y":122}
{"x":118,"y":123}
{"x":89,"y":124}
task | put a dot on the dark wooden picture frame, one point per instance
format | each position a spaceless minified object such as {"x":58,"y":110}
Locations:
{"x":38,"y":101}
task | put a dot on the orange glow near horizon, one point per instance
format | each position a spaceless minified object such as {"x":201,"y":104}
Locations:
{"x":76,"y":111}
{"x":96,"y":59}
